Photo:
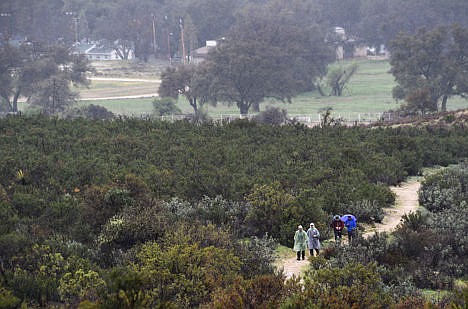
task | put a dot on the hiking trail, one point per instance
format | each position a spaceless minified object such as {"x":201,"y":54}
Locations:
{"x":406,"y":201}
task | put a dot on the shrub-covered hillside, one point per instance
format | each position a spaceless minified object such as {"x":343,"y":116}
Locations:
{"x":99,"y":210}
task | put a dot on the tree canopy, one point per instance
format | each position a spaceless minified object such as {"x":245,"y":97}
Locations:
{"x":43,"y":75}
{"x":131,"y":22}
{"x":430,"y":66}
{"x":191,"y":81}
{"x":268,"y":57}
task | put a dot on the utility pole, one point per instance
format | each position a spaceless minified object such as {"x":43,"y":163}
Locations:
{"x":76,"y":21}
{"x":8,"y":31}
{"x":169,"y":35}
{"x":183,"y":40}
{"x":154,"y":35}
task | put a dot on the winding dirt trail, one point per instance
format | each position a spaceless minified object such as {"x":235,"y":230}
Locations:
{"x":406,"y":201}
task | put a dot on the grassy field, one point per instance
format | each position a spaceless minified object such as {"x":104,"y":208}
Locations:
{"x":368,"y":93}
{"x":116,"y":88}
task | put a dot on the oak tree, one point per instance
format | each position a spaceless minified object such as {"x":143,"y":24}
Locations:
{"x":434,"y":61}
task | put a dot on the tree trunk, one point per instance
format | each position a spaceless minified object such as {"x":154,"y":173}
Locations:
{"x":443,"y":106}
{"x":320,"y":90}
{"x":15,"y":102}
{"x":193,"y":103}
{"x":243,"y":107}
{"x":7,"y":101}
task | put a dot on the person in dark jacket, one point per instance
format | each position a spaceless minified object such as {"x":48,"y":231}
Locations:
{"x":337,"y":225}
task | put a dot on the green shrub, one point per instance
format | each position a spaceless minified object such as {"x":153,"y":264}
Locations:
{"x":8,"y":217}
{"x":272,"y":115}
{"x":445,"y":189}
{"x":8,"y":299}
{"x":165,"y":106}
{"x":353,"y":286}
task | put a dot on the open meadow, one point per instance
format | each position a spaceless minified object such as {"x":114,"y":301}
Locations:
{"x":117,"y":86}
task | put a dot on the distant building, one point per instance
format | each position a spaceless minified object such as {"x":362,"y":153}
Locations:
{"x":99,"y":51}
{"x":201,"y":53}
{"x":347,"y":46}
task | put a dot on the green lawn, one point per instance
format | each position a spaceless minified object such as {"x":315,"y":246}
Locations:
{"x":368,"y":93}
{"x":127,"y":107}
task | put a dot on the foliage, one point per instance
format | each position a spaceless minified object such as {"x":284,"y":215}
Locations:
{"x":134,"y":225}
{"x":254,"y":53}
{"x":427,"y":250}
{"x":129,"y":24}
{"x":265,"y":291}
{"x":165,"y":106}
{"x":429,"y":67}
{"x":192,"y":82}
{"x":80,"y":285}
{"x":267,"y":204}
{"x":182,"y":276}
{"x":446,"y":189}
{"x":42,"y":76}
{"x":90,"y":111}
{"x":272,"y":115}
{"x":418,"y":101}
{"x":355,"y":285}
{"x":258,"y":255}
{"x":339,"y":77}
{"x":8,"y":299}
{"x":140,"y":201}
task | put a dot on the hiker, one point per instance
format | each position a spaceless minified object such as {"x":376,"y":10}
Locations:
{"x":350,"y":224}
{"x":300,"y":242}
{"x":314,"y":239}
{"x":337,"y":225}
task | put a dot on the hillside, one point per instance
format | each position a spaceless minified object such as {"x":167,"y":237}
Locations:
{"x":457,"y":118}
{"x":141,"y":213}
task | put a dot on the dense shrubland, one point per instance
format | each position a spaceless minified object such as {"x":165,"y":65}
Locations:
{"x":429,"y":248}
{"x":131,"y":213}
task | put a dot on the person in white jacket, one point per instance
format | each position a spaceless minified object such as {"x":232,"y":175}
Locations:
{"x":313,"y":239}
{"x":300,"y":242}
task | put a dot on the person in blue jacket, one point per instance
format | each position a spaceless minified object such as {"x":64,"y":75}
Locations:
{"x":350,"y":224}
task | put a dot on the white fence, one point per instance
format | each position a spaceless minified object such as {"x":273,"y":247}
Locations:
{"x":350,"y":118}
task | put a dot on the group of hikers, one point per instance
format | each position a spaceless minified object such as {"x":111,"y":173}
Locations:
{"x":311,"y":238}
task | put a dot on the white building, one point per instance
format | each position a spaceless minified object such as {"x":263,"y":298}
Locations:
{"x":95,"y":51}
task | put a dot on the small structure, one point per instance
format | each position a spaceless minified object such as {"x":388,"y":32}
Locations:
{"x":99,"y":51}
{"x":201,"y":53}
{"x":347,"y":46}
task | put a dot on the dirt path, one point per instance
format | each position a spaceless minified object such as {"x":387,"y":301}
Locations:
{"x":116,"y":79}
{"x":406,"y":201}
{"x":139,"y":96}
{"x":291,"y":266}
{"x":131,"y":88}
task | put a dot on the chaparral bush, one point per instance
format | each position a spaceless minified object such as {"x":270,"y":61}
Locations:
{"x":141,"y":213}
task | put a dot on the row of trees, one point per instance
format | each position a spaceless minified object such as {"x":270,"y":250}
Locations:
{"x":155,"y":25}
{"x":253,"y":63}
{"x":269,"y":50}
{"x":250,"y":66}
